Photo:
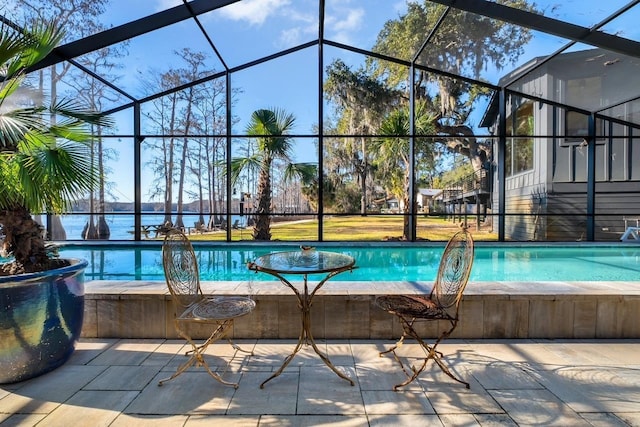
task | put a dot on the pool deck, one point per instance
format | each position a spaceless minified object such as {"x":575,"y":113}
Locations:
{"x":113,"y":382}
{"x":346,"y":310}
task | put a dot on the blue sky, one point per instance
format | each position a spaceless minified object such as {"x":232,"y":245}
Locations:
{"x":243,"y":32}
{"x":249,"y":30}
{"x":252,"y":29}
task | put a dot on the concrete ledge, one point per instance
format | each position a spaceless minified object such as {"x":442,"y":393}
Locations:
{"x":346,"y":310}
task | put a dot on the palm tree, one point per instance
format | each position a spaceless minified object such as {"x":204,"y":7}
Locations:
{"x":44,"y":157}
{"x":393,"y":159}
{"x":270,"y":129}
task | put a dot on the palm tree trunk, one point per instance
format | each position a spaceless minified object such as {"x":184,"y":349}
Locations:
{"x":23,"y":236}
{"x":262,"y":229}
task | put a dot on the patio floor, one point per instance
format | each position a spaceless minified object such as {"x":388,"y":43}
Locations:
{"x":113,"y":382}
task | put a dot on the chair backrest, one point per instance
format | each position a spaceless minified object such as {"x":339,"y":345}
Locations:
{"x":454,"y":271}
{"x":181,"y":268}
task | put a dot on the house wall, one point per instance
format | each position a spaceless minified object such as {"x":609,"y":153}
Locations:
{"x":526,"y":191}
{"x":549,"y":202}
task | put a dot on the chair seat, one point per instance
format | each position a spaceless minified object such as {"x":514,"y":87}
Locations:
{"x":416,"y":306}
{"x":219,"y":308}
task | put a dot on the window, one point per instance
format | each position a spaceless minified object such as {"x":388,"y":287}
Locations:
{"x":577,"y":124}
{"x":519,"y":149}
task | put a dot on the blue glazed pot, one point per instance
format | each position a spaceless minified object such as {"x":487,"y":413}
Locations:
{"x":40,"y":320}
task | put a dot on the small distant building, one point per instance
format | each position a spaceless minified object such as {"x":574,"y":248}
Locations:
{"x":427,"y":199}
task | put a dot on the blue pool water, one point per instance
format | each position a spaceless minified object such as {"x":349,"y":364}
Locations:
{"x":388,"y":263}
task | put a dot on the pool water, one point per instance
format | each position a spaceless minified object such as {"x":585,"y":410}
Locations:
{"x":388,"y":263}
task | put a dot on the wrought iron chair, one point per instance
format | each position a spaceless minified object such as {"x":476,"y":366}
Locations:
{"x":192,"y":307}
{"x":440,"y":305}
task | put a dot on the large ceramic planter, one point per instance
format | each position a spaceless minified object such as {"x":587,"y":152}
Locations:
{"x":40,"y":320}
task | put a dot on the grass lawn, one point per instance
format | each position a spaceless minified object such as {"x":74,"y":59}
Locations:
{"x":354,"y":228}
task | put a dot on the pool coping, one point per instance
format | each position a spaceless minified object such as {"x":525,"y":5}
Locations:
{"x":343,"y":287}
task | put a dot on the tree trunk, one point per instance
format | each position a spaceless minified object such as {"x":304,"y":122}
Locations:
{"x":183,"y":164}
{"x":179,"y":222}
{"x":89,"y":231}
{"x":262,"y":229}
{"x":57,"y":231}
{"x":406,"y":232}
{"x":465,"y":144}
{"x":169,"y":164}
{"x":103,"y":228}
{"x":23,"y":237}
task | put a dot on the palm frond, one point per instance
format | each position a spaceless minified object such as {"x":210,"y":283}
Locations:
{"x":305,"y":171}
{"x":43,"y":38}
{"x":239,"y":164}
{"x":72,"y":109}
{"x":17,"y":124}
{"x":12,"y":43}
{"x":10,"y":191}
{"x":73,"y":130}
{"x":54,"y":176}
{"x":22,"y":49}
{"x":9,"y":86}
{"x":262,"y":123}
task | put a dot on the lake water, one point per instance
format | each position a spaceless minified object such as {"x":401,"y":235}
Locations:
{"x":121,"y":225}
{"x":222,"y":262}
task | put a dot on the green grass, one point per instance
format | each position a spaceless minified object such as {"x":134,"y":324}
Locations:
{"x":354,"y":228}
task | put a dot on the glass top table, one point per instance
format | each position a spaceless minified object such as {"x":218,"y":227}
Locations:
{"x":303,"y":263}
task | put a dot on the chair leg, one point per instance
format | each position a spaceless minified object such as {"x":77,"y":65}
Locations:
{"x":437,"y":356}
{"x":430,"y":352}
{"x":393,"y":349}
{"x":238,"y":348}
{"x":197,"y":353}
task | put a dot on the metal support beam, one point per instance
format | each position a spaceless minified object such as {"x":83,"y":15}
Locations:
{"x":137,"y":173}
{"x":229,"y":124}
{"x":502,"y":145}
{"x":130,"y":30}
{"x":591,"y":179}
{"x":320,"y":121}
{"x":547,"y":25}
{"x":411,"y":209}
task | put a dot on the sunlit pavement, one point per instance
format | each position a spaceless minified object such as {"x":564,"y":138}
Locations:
{"x":513,"y":382}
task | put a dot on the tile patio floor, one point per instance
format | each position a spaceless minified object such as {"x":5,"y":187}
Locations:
{"x":513,"y":382}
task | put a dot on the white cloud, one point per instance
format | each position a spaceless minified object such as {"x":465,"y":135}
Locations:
{"x":290,"y":37}
{"x":254,"y":12}
{"x":342,"y":24}
{"x":306,"y":29}
{"x":351,"y":22}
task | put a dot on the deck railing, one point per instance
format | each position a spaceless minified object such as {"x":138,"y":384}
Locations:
{"x":476,"y":182}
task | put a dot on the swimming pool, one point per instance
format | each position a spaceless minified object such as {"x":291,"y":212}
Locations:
{"x":408,"y":262}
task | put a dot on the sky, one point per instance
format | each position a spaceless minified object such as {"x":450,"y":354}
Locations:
{"x":251,"y":29}
{"x":244,"y":32}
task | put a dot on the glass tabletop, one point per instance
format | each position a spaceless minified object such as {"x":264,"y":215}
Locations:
{"x":304,"y":262}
